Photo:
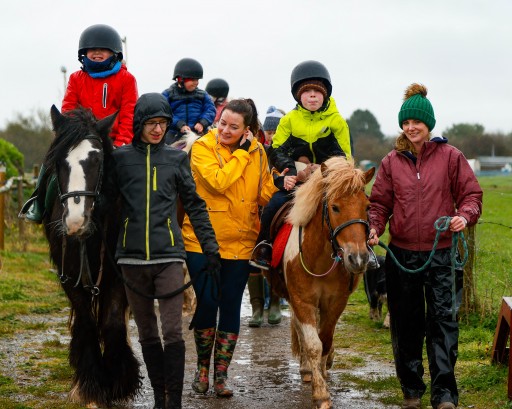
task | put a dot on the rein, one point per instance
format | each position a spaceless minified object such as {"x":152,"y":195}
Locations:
{"x":441,"y":225}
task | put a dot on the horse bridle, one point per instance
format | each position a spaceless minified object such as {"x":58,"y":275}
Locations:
{"x":338,"y":251}
{"x":77,"y":194}
{"x":85,"y":273}
{"x":333,"y":233}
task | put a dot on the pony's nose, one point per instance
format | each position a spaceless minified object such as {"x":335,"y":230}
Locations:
{"x":74,"y":225}
{"x":358,"y":261}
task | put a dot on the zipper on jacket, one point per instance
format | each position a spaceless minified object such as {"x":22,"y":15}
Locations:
{"x":154,"y":178}
{"x":125,"y":231}
{"x":170,"y":231}
{"x":418,"y":175}
{"x":105,"y":92}
{"x":148,"y":189}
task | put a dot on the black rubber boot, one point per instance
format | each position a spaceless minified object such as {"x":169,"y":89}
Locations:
{"x":174,"y":358}
{"x":257,"y":296}
{"x":153,"y":355}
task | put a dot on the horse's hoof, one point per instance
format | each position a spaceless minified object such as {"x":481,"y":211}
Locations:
{"x":306,"y":376}
{"x":323,"y":404}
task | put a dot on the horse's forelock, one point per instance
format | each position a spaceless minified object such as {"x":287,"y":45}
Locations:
{"x":340,"y":178}
{"x":72,"y":128}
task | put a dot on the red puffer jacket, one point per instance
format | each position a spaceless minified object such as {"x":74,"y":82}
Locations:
{"x":105,"y":96}
{"x":412,"y":196}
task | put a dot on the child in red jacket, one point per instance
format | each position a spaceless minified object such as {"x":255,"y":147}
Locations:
{"x":105,"y":86}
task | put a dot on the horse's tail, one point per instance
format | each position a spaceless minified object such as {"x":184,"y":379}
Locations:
{"x":185,"y":142}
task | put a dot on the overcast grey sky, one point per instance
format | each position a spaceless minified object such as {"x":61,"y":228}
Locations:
{"x":460,"y":49}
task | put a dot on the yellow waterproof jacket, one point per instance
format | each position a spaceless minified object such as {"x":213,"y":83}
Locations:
{"x":232,"y":185}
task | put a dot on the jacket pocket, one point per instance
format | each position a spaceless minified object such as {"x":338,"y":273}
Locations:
{"x":170,"y":231}
{"x":125,"y":232}
{"x":223,"y":224}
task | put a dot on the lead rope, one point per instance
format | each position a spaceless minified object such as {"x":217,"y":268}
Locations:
{"x":441,"y":225}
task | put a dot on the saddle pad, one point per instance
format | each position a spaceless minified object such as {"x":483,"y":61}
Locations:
{"x":280,"y":243}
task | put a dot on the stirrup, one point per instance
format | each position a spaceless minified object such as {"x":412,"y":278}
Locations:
{"x":258,"y":258}
{"x":31,"y":211}
{"x":27,"y":205}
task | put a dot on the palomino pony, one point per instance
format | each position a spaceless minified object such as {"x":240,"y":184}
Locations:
{"x":82,"y":229}
{"x":323,"y":261}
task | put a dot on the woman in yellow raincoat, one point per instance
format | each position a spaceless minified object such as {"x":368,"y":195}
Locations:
{"x":232,"y":176}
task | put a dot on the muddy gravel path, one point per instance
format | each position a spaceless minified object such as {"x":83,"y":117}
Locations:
{"x":263,"y":373}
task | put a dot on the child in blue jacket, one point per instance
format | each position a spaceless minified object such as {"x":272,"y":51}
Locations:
{"x":193,"y":108}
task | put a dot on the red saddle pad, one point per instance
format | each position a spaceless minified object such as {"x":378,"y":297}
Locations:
{"x":280,"y":243}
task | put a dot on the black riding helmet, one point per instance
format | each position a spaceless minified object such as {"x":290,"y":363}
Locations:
{"x":188,"y":68}
{"x":217,"y":88}
{"x":310,"y":70}
{"x":100,"y":36}
{"x":150,"y":105}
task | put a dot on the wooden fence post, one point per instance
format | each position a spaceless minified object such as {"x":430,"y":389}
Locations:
{"x":2,"y":205}
{"x":469,"y":296}
{"x":502,"y":336}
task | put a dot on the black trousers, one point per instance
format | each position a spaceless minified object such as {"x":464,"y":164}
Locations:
{"x":420,"y":306}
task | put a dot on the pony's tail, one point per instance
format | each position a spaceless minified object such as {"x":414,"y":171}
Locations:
{"x":185,"y":142}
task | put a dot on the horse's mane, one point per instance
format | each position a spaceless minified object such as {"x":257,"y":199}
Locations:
{"x":73,"y":127}
{"x":339,"y":178}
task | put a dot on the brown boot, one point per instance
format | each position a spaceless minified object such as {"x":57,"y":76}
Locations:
{"x":446,"y":405}
{"x":411,"y":403}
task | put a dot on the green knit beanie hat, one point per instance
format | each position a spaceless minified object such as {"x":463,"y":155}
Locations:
{"x":417,"y":106}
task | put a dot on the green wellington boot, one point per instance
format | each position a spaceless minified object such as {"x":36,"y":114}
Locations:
{"x":274,"y":311}
{"x":34,"y":207}
{"x":257,"y":296}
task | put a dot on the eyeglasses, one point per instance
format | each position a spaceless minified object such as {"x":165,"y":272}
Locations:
{"x":152,"y":125}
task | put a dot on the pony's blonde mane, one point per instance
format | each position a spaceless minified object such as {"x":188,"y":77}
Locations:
{"x":340,"y":178}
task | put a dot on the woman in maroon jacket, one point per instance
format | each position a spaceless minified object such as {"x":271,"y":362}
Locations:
{"x":421,"y":180}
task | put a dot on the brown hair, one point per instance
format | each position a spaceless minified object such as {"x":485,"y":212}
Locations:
{"x":402,"y":144}
{"x":246,"y":108}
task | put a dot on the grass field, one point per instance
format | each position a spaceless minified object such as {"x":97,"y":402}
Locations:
{"x":31,"y":301}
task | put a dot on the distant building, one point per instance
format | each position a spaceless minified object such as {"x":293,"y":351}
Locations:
{"x":494,"y":163}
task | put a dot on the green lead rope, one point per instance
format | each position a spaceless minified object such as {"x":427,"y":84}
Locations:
{"x":441,"y":225}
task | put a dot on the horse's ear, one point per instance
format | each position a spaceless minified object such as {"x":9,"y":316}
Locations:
{"x":105,"y":125}
{"x":55,"y":115}
{"x":323,"y":168}
{"x":368,"y":175}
